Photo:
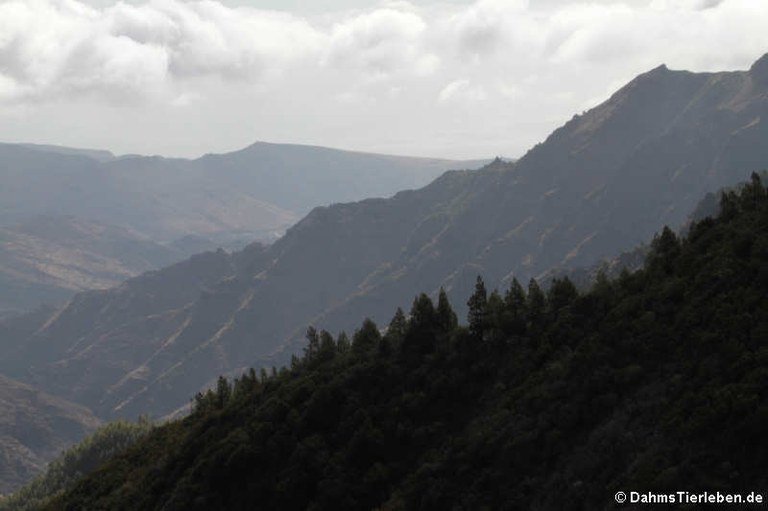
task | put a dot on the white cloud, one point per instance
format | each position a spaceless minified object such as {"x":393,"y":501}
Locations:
{"x":54,"y":47}
{"x":462,"y":91}
{"x":381,"y":42}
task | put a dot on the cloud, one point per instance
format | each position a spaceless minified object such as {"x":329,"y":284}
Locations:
{"x":50,"y":48}
{"x":462,"y":91}
{"x":363,"y":78}
{"x":487,"y":27}
{"x":381,"y":42}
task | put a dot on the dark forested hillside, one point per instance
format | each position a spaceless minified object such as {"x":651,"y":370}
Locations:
{"x":602,"y":183}
{"x":75,"y":462}
{"x":545,"y":400}
{"x":34,"y":427}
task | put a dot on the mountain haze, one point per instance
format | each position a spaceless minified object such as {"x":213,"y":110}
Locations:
{"x":253,"y":193}
{"x":602,"y":183}
{"x":78,"y":219}
{"x":46,"y":259}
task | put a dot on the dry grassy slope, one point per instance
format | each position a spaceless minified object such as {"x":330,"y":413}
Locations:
{"x":47,"y":259}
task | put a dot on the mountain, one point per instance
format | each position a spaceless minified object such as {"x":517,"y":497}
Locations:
{"x":94,"y":154}
{"x":252,"y":193}
{"x":46,"y":259}
{"x":603,"y":182}
{"x":654,"y":383}
{"x":78,"y":219}
{"x":35,"y":427}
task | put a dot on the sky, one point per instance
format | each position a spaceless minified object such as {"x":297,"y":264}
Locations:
{"x":452,"y":79}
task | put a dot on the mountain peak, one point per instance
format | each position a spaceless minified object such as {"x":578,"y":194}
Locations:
{"x":759,"y":70}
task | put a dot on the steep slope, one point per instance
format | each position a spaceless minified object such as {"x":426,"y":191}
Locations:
{"x":114,"y":338}
{"x":655,"y":382}
{"x":34,"y":427}
{"x":47,"y":259}
{"x":603,"y":182}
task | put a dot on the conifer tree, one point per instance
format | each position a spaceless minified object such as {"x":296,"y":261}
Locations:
{"x":561,"y":293}
{"x":342,"y":342}
{"x":423,"y":315}
{"x":313,"y":343}
{"x":516,"y":307}
{"x":446,"y":318}
{"x":397,"y":327}
{"x":327,"y":348}
{"x":536,"y":302}
{"x":366,"y":338}
{"x":477,"y":303}
{"x":664,"y":250}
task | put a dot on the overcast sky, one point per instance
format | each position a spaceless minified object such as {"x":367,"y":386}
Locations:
{"x":455,"y":79}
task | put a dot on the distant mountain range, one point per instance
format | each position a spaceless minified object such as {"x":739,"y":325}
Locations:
{"x":250,"y":193}
{"x":78,"y":219}
{"x":602,"y":183}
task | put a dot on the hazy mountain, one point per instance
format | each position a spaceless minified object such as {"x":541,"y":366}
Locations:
{"x":47,"y":259}
{"x":54,"y":199}
{"x":251,"y":193}
{"x":605,"y":181}
{"x":35,"y":427}
{"x":95,"y":154}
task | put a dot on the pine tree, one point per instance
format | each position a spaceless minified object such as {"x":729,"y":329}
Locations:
{"x":313,"y":343}
{"x":536,"y":303}
{"x":446,"y":318}
{"x":223,"y":392}
{"x":665,"y":248}
{"x":327,"y":348}
{"x":516,"y":308}
{"x":423,"y":315}
{"x":422,"y":327}
{"x":561,"y":293}
{"x":397,"y":327}
{"x":342,"y":343}
{"x":478,"y":304}
{"x":366,"y":338}
{"x":494,"y":318}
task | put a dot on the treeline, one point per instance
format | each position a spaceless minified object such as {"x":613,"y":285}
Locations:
{"x":654,"y":381}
